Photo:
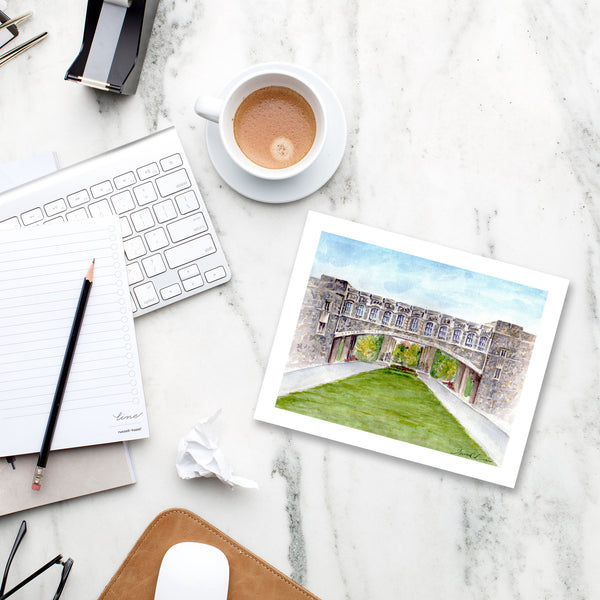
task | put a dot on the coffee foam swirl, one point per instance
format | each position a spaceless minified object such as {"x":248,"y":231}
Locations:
{"x":274,"y":127}
{"x":282,"y":149}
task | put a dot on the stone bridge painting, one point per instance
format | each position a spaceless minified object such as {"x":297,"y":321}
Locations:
{"x":488,"y":360}
{"x":411,"y":349}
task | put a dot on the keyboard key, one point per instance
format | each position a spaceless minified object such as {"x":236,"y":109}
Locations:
{"x":165,"y":211}
{"x":146,"y":294}
{"x":145,"y":193}
{"x":170,"y":162}
{"x":134,"y":273}
{"x":185,"y":228}
{"x":123,"y":201}
{"x":32,"y":216}
{"x":134,"y":248}
{"x":148,"y":171}
{"x":78,"y":198}
{"x":157,"y":239}
{"x":214,"y":274}
{"x":58,"y":219}
{"x":187,"y":202}
{"x":142,"y":219}
{"x":125,"y":180}
{"x":154,"y":265}
{"x":188,"y":272}
{"x":12,"y":223}
{"x":170,"y":291}
{"x":77,"y":215}
{"x":133,"y":304}
{"x":126,"y":230}
{"x":193,"y":283}
{"x":101,"y":189}
{"x":100,"y":209}
{"x":174,"y":182}
{"x":55,"y":207}
{"x":190,"y":251}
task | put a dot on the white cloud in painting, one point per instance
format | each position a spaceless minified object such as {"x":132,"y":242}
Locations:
{"x":428,"y":284}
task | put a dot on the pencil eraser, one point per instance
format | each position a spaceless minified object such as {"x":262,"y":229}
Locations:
{"x":36,"y":486}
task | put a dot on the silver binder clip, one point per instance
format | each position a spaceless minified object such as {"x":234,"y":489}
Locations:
{"x":9,"y":31}
{"x":4,"y":58}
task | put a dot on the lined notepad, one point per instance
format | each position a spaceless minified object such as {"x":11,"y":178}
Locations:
{"x":41,"y":273}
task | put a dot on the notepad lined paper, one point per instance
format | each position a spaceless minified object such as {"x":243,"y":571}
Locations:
{"x":41,"y":273}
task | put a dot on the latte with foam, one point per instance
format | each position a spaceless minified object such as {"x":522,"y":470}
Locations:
{"x":274,"y":127}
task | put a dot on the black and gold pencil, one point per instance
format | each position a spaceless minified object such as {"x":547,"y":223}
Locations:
{"x":62,"y":379}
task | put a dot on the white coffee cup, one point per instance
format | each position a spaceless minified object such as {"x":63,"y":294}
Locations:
{"x":222,"y":111}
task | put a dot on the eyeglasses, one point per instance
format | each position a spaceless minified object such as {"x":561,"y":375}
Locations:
{"x":57,"y":560}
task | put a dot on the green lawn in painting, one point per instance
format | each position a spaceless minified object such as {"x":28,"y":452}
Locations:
{"x":391,"y":403}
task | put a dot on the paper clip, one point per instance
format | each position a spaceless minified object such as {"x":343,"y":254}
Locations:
{"x":4,"y":58}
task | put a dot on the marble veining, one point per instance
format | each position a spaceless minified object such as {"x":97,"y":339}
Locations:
{"x":288,"y":466}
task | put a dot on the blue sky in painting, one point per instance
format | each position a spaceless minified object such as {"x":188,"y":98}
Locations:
{"x":428,"y":284}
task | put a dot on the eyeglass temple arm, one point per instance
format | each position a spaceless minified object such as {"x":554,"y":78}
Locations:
{"x":23,"y":583}
{"x":20,"y":535}
{"x":67,"y":565}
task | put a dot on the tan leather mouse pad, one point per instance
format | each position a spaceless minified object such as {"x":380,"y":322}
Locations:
{"x":250,"y":577}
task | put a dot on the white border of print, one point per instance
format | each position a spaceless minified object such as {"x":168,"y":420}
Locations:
{"x":505,"y":474}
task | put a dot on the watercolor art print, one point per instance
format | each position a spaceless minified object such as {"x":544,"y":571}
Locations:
{"x":411,"y":349}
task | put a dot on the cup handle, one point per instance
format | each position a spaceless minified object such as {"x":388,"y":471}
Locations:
{"x":208,"y":107}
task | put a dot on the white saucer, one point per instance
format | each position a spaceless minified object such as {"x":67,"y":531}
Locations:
{"x":294,"y":188}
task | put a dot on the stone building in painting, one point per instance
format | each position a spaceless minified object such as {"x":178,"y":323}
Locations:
{"x":492,"y":358}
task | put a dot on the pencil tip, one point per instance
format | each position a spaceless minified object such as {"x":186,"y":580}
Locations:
{"x":90,"y":274}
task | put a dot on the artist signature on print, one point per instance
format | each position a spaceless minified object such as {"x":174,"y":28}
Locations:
{"x":472,"y":455}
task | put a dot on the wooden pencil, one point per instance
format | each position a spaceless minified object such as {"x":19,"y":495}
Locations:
{"x":62,"y":379}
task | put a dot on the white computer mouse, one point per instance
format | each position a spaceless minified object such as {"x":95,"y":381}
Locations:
{"x":193,"y":571}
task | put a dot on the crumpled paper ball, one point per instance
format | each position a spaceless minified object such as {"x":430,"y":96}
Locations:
{"x":199,"y":455}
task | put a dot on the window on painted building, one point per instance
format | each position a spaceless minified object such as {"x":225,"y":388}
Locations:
{"x":387,"y":317}
{"x":323,"y":320}
{"x":373,"y":314}
{"x":503,"y":352}
{"x":456,"y":337}
{"x":482,"y":343}
{"x":414,"y":324}
{"x":442,"y":333}
{"x":326,"y":305}
{"x":399,"y":320}
{"x":347,"y":308}
{"x":497,"y":373}
{"x":429,"y":328}
{"x":469,"y":340}
{"x":360,"y":311}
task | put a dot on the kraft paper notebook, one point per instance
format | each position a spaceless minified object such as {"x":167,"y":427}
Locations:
{"x":250,"y":577}
{"x":71,"y":473}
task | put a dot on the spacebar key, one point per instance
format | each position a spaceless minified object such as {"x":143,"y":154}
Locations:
{"x":189,"y":251}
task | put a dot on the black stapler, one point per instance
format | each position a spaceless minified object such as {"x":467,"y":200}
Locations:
{"x":115,"y":39}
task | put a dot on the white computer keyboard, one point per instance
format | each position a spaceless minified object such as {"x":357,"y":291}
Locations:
{"x":171,"y":248}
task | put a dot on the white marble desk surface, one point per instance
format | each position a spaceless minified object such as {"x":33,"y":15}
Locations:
{"x":474,"y":125}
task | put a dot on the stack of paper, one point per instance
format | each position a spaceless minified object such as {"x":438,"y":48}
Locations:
{"x":41,"y":273}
